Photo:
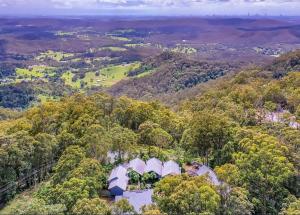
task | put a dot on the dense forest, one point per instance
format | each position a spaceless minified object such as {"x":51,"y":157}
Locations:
{"x":66,"y":145}
{"x":169,"y":72}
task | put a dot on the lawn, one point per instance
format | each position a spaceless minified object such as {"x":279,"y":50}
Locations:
{"x":135,"y":45}
{"x":67,"y":77}
{"x":125,"y":39}
{"x":113,"y":49}
{"x":21,"y":200}
{"x":28,"y":73}
{"x":114,"y":74}
{"x":64,"y":33}
{"x":57,"y":56}
{"x":107,"y":76}
{"x":36,"y":71}
{"x":45,"y":98}
{"x":148,"y":72}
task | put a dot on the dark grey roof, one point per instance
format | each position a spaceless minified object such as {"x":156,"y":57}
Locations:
{"x":154,"y":165}
{"x":137,"y":165}
{"x":170,"y":168}
{"x":118,"y":172}
{"x":212,"y":175}
{"x":137,"y":198}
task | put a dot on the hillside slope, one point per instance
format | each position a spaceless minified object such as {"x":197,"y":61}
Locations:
{"x":169,"y":73}
{"x":226,"y":126}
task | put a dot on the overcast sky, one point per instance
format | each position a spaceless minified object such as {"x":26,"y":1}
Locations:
{"x":150,"y":7}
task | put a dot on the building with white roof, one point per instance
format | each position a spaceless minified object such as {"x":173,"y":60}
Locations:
{"x":137,"y":199}
{"x":137,"y":165}
{"x":117,"y":172}
{"x":170,"y":168}
{"x":118,"y":179}
{"x":205,"y":170}
{"x":118,"y":186}
{"x":154,"y":165}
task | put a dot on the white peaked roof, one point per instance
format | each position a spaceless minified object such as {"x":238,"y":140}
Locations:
{"x":170,"y":168}
{"x":137,"y":165}
{"x":154,"y":165}
{"x":118,"y":172}
{"x":119,"y":182}
{"x":137,"y":199}
{"x":212,"y":175}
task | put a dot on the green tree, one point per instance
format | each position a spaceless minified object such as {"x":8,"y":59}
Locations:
{"x":123,"y":140}
{"x":149,"y":178}
{"x":70,"y":159}
{"x":292,"y":208}
{"x":264,"y":169}
{"x":210,"y":132}
{"x":229,"y":173}
{"x":92,"y":172}
{"x":151,"y":210}
{"x":37,"y":207}
{"x":121,"y":207}
{"x":298,"y":112}
{"x":20,"y":151}
{"x":134,"y":177}
{"x":145,"y":132}
{"x":69,"y":192}
{"x":44,"y":149}
{"x":132,"y":113}
{"x":93,"y":206}
{"x":273,"y":93}
{"x":270,"y":106}
{"x":161,"y":138}
{"x":183,"y":195}
{"x":65,"y":139}
{"x":97,"y":142}
{"x":237,"y":203}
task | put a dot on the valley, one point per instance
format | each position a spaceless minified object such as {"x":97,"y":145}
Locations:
{"x":149,"y":115}
{"x":95,"y":54}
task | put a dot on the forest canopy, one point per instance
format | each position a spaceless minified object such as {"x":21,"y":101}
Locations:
{"x":230,"y":127}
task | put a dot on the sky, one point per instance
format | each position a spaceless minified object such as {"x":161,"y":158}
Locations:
{"x":150,"y":7}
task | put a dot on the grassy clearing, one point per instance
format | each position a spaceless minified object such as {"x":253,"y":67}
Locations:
{"x":21,"y":200}
{"x":89,"y":80}
{"x":64,"y":33}
{"x":26,"y":73}
{"x":145,"y":73}
{"x":106,"y":76}
{"x":135,"y":45}
{"x":122,"y":31}
{"x":113,"y":49}
{"x":114,"y":74}
{"x":67,"y":77}
{"x":125,"y":39}
{"x":45,"y":98}
{"x":37,"y":71}
{"x":184,"y":50}
{"x":57,"y":56}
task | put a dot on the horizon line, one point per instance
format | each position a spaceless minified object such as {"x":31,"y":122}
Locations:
{"x":145,"y":16}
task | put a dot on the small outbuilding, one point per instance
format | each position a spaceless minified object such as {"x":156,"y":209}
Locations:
{"x":170,"y":168}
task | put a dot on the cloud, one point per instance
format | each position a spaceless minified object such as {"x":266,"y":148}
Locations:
{"x":158,"y":6}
